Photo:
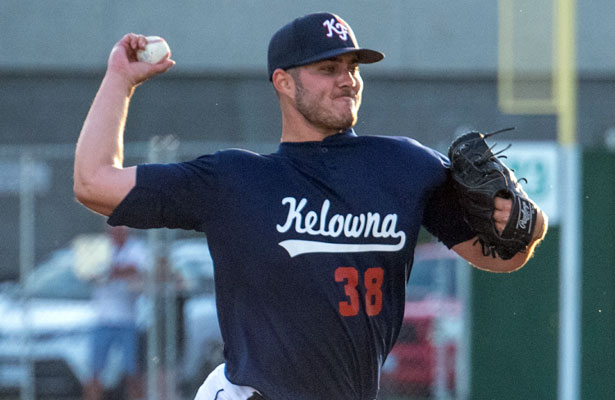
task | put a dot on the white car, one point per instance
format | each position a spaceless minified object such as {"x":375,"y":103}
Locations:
{"x":50,"y":322}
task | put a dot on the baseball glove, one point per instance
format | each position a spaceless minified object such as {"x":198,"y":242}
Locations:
{"x":479,"y":176}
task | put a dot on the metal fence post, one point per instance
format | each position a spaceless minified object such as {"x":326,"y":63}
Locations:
{"x":26,"y":263}
{"x":162,"y":331}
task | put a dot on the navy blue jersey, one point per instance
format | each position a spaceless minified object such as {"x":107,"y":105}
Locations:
{"x":312,"y":249}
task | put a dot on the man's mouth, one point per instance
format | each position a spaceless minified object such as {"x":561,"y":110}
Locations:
{"x":347,"y":97}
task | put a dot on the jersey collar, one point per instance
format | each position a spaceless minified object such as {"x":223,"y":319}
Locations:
{"x":316,"y":146}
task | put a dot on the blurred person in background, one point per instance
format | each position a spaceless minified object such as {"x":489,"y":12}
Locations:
{"x":114,"y":297}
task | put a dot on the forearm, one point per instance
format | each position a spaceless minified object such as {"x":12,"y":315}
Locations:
{"x":100,"y":148}
{"x":472,"y":251}
{"x":101,"y":139}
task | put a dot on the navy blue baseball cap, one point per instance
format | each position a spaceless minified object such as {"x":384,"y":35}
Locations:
{"x":314,"y":37}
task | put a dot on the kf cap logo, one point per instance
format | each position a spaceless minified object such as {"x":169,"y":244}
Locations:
{"x":334,"y":26}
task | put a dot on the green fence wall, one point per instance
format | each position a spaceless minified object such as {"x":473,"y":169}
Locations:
{"x":515,"y":327}
{"x":598,"y":308}
{"x":515,"y":316}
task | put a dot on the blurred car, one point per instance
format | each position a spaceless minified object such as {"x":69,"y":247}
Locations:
{"x":51,"y":322}
{"x":424,"y":360}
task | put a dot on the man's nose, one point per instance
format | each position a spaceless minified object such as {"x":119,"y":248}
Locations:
{"x":348,"y":79}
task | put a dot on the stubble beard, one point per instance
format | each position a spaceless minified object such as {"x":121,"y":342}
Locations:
{"x":313,"y":111}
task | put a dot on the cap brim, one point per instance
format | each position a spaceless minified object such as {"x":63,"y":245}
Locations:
{"x":365,"y":56}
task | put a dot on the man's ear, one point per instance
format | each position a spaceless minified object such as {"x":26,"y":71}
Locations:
{"x":283,"y":82}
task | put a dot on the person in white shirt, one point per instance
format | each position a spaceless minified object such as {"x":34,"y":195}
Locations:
{"x":115,"y":297}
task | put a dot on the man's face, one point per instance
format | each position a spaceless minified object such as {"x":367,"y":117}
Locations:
{"x":328,"y":93}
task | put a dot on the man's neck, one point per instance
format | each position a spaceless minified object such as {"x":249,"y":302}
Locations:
{"x":299,"y":130}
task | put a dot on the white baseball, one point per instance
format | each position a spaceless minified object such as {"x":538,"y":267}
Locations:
{"x":154,"y":51}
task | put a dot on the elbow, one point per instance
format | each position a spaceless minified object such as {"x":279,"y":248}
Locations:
{"x":103,"y":190}
{"x":83,"y":192}
{"x":83,"y":185}
{"x":86,"y":194}
{"x":79,"y":189}
{"x":80,"y":181}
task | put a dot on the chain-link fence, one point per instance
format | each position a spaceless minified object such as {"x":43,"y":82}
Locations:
{"x":154,"y":335}
{"x":51,"y":341}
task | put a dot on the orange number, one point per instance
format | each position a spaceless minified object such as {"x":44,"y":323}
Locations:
{"x":351,"y":277}
{"x":373,"y":295}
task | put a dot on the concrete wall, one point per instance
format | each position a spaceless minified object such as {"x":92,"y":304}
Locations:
{"x":431,"y":36}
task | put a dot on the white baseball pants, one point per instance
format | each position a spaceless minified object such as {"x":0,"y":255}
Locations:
{"x":217,"y":387}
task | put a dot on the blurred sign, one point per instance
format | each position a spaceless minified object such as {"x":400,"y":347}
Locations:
{"x":93,"y":255}
{"x":537,"y":162}
{"x":39,"y":176}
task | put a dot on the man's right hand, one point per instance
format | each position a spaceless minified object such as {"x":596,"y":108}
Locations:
{"x":100,"y":180}
{"x":123,"y":62}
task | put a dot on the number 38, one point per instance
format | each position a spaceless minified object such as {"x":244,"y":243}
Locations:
{"x":373,"y":290}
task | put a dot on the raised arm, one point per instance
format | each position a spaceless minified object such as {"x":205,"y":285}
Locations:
{"x":100,"y":180}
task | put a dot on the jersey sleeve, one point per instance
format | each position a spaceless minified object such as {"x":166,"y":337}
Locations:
{"x":177,"y":195}
{"x":443,"y":217}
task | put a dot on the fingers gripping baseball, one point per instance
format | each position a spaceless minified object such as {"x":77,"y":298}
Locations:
{"x":501,"y":213}
{"x":123,"y":60}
